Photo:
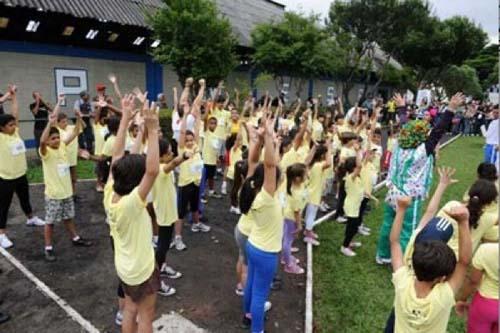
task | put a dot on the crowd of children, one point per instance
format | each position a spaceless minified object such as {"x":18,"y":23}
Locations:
{"x":283,"y":165}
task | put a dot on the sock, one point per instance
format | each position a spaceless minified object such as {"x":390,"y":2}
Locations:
{"x":155,"y":239}
{"x":178,"y":237}
{"x":76,"y":238}
{"x":48,"y":247}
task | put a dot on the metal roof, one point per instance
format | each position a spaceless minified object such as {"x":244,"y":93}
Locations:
{"x":243,"y":14}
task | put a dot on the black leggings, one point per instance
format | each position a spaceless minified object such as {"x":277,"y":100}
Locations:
{"x":7,"y":189}
{"x":164,"y":238}
{"x":340,"y":201}
{"x":353,"y":224}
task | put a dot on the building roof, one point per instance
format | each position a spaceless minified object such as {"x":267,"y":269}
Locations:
{"x":242,"y":14}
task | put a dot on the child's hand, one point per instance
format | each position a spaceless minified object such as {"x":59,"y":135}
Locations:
{"x":461,"y":308}
{"x":151,"y":120}
{"x":82,"y":153}
{"x":446,"y":174}
{"x":404,"y":202}
{"x":189,"y":81}
{"x":459,"y":213}
{"x":127,"y":104}
{"x":112,"y":78}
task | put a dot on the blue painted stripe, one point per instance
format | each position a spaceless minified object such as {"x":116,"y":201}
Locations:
{"x":69,"y":51}
{"x":30,"y":144}
{"x":154,"y":79}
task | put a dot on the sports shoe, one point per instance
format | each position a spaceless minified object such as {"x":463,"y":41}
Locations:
{"x":327,"y":206}
{"x":347,"y":252}
{"x":223,"y":188}
{"x":81,"y":242}
{"x":292,"y":259}
{"x":382,"y":261}
{"x":246,"y":322}
{"x":363,"y":232}
{"x":99,"y":188}
{"x":322,"y":208}
{"x":314,"y":235}
{"x":49,"y":255}
{"x":119,"y":318}
{"x":354,"y":245}
{"x":166,"y":290}
{"x":213,"y":194}
{"x":178,"y":244}
{"x":341,"y":219}
{"x":5,"y":241}
{"x":311,"y":240}
{"x":35,"y":221}
{"x":197,"y":227}
{"x":235,"y":210}
{"x":203,"y":200}
{"x":239,"y":290}
{"x":295,"y":249}
{"x":267,"y":306}
{"x":363,"y":226}
{"x":294,"y":269}
{"x":170,"y":273}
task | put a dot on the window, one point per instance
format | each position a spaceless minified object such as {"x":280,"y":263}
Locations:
{"x":4,"y":22}
{"x":113,"y":37}
{"x":156,"y":43}
{"x":91,"y":34}
{"x":138,"y":41}
{"x":32,"y":26}
{"x":68,"y":31}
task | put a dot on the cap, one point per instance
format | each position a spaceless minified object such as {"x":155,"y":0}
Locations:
{"x":100,"y":87}
{"x":438,"y":228}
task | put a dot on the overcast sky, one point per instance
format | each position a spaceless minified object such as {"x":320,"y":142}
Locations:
{"x":484,"y":12}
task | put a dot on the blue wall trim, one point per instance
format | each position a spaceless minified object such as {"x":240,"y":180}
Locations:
{"x":154,"y":79}
{"x":69,"y":51}
{"x":30,"y":144}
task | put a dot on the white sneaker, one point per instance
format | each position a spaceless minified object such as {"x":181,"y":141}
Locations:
{"x":235,"y":210}
{"x":197,"y":227}
{"x":5,"y":241}
{"x":363,"y":232}
{"x":295,"y":249}
{"x":170,"y":273}
{"x":322,"y":208}
{"x":326,"y":205}
{"x":119,"y":318}
{"x":355,"y":244}
{"x":166,"y":290}
{"x":382,"y":261}
{"x":35,"y":221}
{"x":223,"y":188}
{"x":311,"y":240}
{"x":267,"y":306}
{"x":179,"y":244}
{"x":341,"y":219}
{"x":347,"y":252}
{"x":364,"y":227}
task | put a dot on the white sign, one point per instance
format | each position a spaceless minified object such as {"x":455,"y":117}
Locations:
{"x":70,"y":81}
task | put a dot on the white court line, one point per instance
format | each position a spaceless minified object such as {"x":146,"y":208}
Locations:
{"x":308,"y":326}
{"x":72,"y":313}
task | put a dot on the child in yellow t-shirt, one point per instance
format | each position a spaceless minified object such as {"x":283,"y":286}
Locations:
{"x":349,"y":149}
{"x":211,"y":148}
{"x":66,"y":130}
{"x":59,"y":204}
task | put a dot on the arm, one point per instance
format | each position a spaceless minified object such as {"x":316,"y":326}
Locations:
{"x":182,"y":134}
{"x":76,"y":129}
{"x":36,"y":107}
{"x":237,"y":99}
{"x":255,"y":140}
{"x":119,"y":144}
{"x":185,"y":92}
{"x":5,"y":97}
{"x":153,"y":157}
{"x":15,"y":105}
{"x":176,"y":100}
{"x":176,"y":162}
{"x":114,"y":81}
{"x":226,"y":101}
{"x":329,"y":157}
{"x":270,"y":162}
{"x":199,"y":98}
{"x":136,"y":146}
{"x":45,"y":134}
{"x":396,"y":251}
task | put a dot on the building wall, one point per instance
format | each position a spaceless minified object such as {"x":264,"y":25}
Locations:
{"x":35,"y":72}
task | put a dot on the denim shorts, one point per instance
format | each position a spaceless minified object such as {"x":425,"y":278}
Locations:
{"x":241,"y":242}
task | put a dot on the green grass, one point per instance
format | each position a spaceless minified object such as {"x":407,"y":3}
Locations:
{"x":85,"y":170}
{"x":355,"y":294}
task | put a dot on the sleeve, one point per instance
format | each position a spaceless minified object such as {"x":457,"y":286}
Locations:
{"x":438,"y":131}
{"x":400,"y":277}
{"x":478,"y":259}
{"x":42,"y":156}
{"x":133,"y":202}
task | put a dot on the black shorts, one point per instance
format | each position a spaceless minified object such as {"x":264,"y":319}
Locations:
{"x":189,"y":195}
{"x":210,"y":171}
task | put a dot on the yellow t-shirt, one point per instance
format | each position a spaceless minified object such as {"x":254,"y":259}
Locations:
{"x":132,"y":233}
{"x":234,"y":156}
{"x":302,"y":152}
{"x":344,"y":128}
{"x":317,"y":130}
{"x":316,"y":183}
{"x":72,"y":147}
{"x":211,"y":146}
{"x":165,"y":198}
{"x":295,"y":202}
{"x":100,"y":132}
{"x":267,"y":215}
{"x":107,"y":149}
{"x":487,"y":220}
{"x":289,"y":158}
{"x":429,"y":314}
{"x":223,"y":117}
{"x":287,"y":124}
{"x":391,"y":144}
{"x":190,"y":171}
{"x":233,"y":127}
{"x":245,"y":224}
{"x":486,"y":260}
{"x":106,"y":201}
{"x":354,"y":189}
{"x":346,"y":152}
{"x":13,"y":152}
{"x":56,"y":176}
{"x":369,"y":177}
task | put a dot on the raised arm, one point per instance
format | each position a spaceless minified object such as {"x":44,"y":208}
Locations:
{"x":199,"y":98}
{"x":185,"y":93}
{"x":76,"y":130}
{"x":45,"y":134}
{"x":152,"y":125}
{"x":176,"y":100}
{"x":237,"y":99}
{"x":119,"y":145}
{"x":112,"y":78}
{"x":270,"y":162}
{"x":15,"y":104}
{"x":255,"y":140}
{"x":182,"y":134}
{"x":396,"y":251}
{"x":176,"y":162}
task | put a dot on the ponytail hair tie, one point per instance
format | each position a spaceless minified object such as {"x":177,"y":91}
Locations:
{"x":252,"y":184}
{"x":475,"y":197}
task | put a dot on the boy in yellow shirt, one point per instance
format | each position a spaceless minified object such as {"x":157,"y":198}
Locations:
{"x":211,"y":147}
{"x":59,"y":204}
{"x":425,"y":296}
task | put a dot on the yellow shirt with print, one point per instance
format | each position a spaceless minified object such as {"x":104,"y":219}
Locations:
{"x":316,"y":183}
{"x":13,"y":152}
{"x":190,"y":171}
{"x":413,"y":314}
{"x":165,"y":198}
{"x":100,"y":132}
{"x":211,"y":146}
{"x":72,"y":147}
{"x":56,"y":176}
{"x":132,"y":233}
{"x":486,"y":260}
{"x":267,"y":216}
{"x":234,"y":156}
{"x":354,"y":189}
{"x":296,"y":202}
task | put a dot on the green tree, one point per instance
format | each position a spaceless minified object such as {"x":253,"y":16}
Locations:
{"x":461,"y":78}
{"x":295,"y":47}
{"x":484,"y":63}
{"x":195,"y":40}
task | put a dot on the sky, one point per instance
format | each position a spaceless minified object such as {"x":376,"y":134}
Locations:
{"x":484,"y":12}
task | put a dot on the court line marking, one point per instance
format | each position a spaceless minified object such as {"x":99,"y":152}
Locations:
{"x":70,"y":311}
{"x":308,"y":325}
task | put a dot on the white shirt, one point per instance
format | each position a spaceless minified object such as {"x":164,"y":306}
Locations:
{"x":176,"y":124}
{"x":492,"y":136}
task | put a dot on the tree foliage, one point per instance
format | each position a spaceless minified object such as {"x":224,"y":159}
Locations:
{"x":461,"y":79}
{"x":484,"y":64}
{"x":195,"y":40}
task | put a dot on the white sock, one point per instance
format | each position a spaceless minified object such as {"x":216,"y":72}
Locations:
{"x":76,"y":238}
{"x":48,"y":247}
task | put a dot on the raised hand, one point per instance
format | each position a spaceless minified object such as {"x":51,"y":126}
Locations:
{"x":457,"y":100}
{"x":459,"y":213}
{"x":112,"y":78}
{"x":446,"y":175}
{"x":127,"y":104}
{"x":202,"y":82}
{"x":12,"y":89}
{"x":399,"y":100}
{"x":53,"y":119}
{"x":60,"y":99}
{"x":189,"y":82}
{"x":150,"y":115}
{"x":404,"y":202}
{"x":140,"y":95}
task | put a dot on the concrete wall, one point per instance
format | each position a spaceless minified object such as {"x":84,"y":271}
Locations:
{"x":36,"y":72}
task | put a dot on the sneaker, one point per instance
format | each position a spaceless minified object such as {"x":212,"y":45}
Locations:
{"x":49,"y":255}
{"x":5,"y":241}
{"x":178,"y":243}
{"x":322,"y":208}
{"x":347,"y":252}
{"x":363,"y":232}
{"x":295,"y":249}
{"x":235,"y":210}
{"x":35,"y":221}
{"x":354,"y":245}
{"x":341,"y":220}
{"x":223,"y":188}
{"x":99,"y":188}
{"x":197,"y":227}
{"x":81,"y":242}
{"x":213,"y":194}
{"x":314,"y":235}
{"x":119,"y":318}
{"x":166,"y":290}
{"x":239,"y":291}
{"x":327,"y":206}
{"x":170,"y":273}
{"x":382,"y":261}
{"x":294,"y":269}
{"x":292,"y":259}
{"x":311,"y":240}
{"x":365,"y":228}
{"x":203,"y":200}
{"x":267,"y":306}
{"x":246,"y":322}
